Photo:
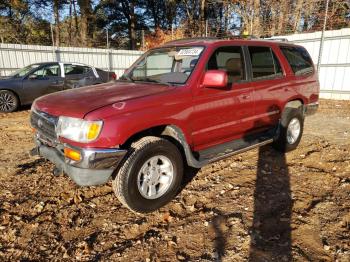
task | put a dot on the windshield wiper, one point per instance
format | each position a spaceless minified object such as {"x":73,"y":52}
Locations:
{"x":147,"y":79}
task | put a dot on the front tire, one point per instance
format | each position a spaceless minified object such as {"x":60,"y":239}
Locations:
{"x":150,"y":176}
{"x":290,"y":129}
{"x":8,"y":101}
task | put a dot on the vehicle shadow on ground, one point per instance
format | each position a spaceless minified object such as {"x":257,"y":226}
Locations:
{"x":189,"y":174}
{"x":29,"y":167}
{"x":24,"y":108}
{"x":270,"y":233}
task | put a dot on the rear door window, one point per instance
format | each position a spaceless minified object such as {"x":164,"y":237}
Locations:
{"x":265,"y":64}
{"x":299,"y":59}
{"x":71,"y":69}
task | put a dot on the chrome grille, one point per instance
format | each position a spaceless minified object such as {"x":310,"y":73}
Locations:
{"x":45,"y":124}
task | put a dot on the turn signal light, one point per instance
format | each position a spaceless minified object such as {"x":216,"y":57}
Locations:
{"x":93,"y":131}
{"x":72,"y":154}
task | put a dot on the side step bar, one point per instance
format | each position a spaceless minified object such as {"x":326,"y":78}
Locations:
{"x":219,"y":152}
{"x":268,"y":141}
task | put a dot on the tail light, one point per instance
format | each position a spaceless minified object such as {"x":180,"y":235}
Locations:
{"x":114,"y":76}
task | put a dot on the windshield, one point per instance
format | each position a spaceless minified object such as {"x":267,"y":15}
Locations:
{"x":166,"y":65}
{"x":23,"y":71}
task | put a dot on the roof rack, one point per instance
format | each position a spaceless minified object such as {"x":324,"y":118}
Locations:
{"x":192,"y":39}
{"x":278,"y":39}
{"x":247,"y":37}
{"x":231,"y":37}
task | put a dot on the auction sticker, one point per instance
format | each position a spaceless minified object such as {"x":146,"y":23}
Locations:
{"x":190,"y":52}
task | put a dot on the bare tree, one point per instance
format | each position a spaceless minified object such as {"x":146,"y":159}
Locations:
{"x":85,"y":16}
{"x":56,"y":13}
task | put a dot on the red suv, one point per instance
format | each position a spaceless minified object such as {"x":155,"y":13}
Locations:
{"x":190,"y":102}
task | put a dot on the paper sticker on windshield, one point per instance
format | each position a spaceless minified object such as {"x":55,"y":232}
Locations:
{"x":190,"y":52}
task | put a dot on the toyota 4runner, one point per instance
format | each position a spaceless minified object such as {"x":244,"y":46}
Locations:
{"x":190,"y":102}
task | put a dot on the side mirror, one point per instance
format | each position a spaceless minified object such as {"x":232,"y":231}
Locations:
{"x":215,"y":79}
{"x":32,"y":77}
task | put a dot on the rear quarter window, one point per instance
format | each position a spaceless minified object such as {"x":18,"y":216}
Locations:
{"x":298,"y":59}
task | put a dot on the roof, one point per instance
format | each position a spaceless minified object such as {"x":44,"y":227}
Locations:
{"x":212,"y":40}
{"x":61,"y":62}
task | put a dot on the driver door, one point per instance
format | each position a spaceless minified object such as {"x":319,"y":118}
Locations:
{"x":222,"y":115}
{"x":45,"y":80}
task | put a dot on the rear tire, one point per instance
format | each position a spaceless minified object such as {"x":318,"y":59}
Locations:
{"x":290,"y":129}
{"x":9,"y":102}
{"x":150,"y":175}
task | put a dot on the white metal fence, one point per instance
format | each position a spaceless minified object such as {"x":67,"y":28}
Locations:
{"x":13,"y":56}
{"x":334,"y":72}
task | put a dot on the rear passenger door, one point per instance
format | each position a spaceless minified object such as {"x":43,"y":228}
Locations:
{"x":268,"y":82}
{"x":78,"y":75}
{"x":223,"y":115}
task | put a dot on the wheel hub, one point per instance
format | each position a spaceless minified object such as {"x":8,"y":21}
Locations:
{"x":155,"y":177}
{"x":293,"y":130}
{"x":7,"y":102}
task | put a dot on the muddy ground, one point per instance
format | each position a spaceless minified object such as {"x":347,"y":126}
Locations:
{"x":258,"y":206}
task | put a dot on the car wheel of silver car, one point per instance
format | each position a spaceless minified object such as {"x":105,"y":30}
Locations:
{"x":150,"y":175}
{"x":290,"y":129}
{"x":8,"y":101}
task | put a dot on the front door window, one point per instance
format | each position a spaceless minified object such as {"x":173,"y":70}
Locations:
{"x":47,"y":71}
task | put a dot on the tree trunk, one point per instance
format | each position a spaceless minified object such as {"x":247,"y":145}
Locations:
{"x":283,"y":17}
{"x":256,"y":19}
{"x":155,"y":14}
{"x":85,"y":10}
{"x":273,"y":20}
{"x":227,"y":14}
{"x":202,"y":17}
{"x":297,"y":15}
{"x":76,"y":23}
{"x":70,"y":23}
{"x":132,"y":25}
{"x":57,"y":21}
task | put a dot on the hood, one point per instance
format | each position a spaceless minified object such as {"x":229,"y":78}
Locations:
{"x":78,"y":102}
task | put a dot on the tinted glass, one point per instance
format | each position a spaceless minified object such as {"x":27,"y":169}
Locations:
{"x":230,"y":59}
{"x":264,"y":63}
{"x":299,"y":59}
{"x":23,"y":71}
{"x":46,"y":71}
{"x":75,"y":69}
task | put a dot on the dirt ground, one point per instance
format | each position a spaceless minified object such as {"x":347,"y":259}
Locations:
{"x":257,"y":206}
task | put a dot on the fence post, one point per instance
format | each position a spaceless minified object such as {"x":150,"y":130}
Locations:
{"x":322,"y":38}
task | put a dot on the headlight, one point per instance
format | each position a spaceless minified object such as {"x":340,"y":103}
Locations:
{"x":77,"y":129}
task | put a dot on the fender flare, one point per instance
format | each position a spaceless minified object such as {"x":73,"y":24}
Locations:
{"x":176,"y":133}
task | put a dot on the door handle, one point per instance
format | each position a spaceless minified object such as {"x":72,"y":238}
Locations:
{"x":245,"y":96}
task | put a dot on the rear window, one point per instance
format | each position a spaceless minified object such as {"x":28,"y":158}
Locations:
{"x":299,"y":60}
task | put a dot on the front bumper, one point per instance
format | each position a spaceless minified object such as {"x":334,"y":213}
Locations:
{"x":95,"y":167}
